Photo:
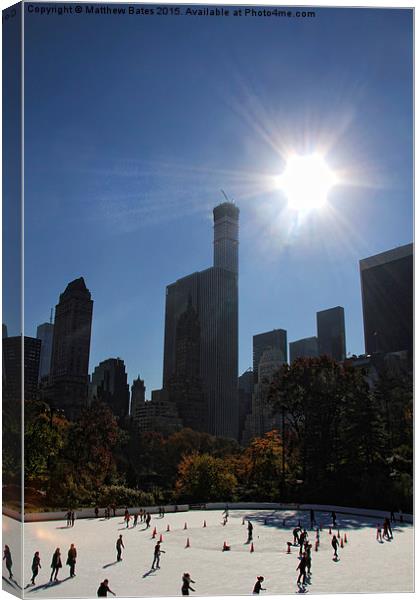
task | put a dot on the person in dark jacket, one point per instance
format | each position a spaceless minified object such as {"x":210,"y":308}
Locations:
{"x":55,"y":564}
{"x":334,"y":544}
{"x":334,"y":518}
{"x":250,"y":529}
{"x":103,"y":589}
{"x":302,"y":569}
{"x":71,"y":559}
{"x":296,"y":531}
{"x":7,"y":556}
{"x":186,"y":584}
{"x":156,"y":556}
{"x":36,"y":565}
{"x":258,"y":585}
{"x":119,"y":546}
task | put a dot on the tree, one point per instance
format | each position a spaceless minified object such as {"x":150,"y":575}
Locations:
{"x":204,"y":478}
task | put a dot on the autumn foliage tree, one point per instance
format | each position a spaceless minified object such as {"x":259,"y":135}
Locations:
{"x":204,"y":478}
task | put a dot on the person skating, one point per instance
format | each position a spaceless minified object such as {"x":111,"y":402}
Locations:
{"x":69,"y":518}
{"x":119,"y":546}
{"x":308,"y":552}
{"x":36,"y":565}
{"x":114,"y":508}
{"x":73,"y":518}
{"x":302,"y":539}
{"x":334,"y":518}
{"x":250,"y":529}
{"x":379,"y":533}
{"x":334,"y":544}
{"x":388,"y":524}
{"x":7,"y":556}
{"x":156,"y":555}
{"x":302,"y":569}
{"x":103,"y":589}
{"x":148,"y":519}
{"x":296,"y":532}
{"x":258,"y":585}
{"x":385,"y":530}
{"x":136,"y":516}
{"x":55,"y":564}
{"x":71,"y":559}
{"x":96,"y":512}
{"x":186,"y":584}
{"x":127,"y":519}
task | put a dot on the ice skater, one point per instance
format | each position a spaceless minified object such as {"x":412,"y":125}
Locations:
{"x":36,"y":565}
{"x":334,"y":518}
{"x":71,"y":559}
{"x":258,"y":585}
{"x":308,"y":552}
{"x":296,"y":532}
{"x":56,"y":564}
{"x":136,"y":516}
{"x":302,"y":570}
{"x":156,"y":556}
{"x":103,"y":589}
{"x":73,"y":518}
{"x":334,"y":544}
{"x":96,"y":512}
{"x":379,"y":533}
{"x":148,"y":519}
{"x":7,"y":556}
{"x":119,"y":546}
{"x":127,"y":519}
{"x":186,"y":584}
{"x":250,"y":529}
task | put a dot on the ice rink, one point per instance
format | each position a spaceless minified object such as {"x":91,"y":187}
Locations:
{"x":365,"y":565}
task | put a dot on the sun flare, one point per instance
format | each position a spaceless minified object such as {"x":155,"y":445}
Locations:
{"x":306,"y":182}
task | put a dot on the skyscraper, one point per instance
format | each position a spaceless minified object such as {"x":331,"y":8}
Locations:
{"x":45,"y":333}
{"x":270,"y":340}
{"x":138,"y":398}
{"x":109,"y":385}
{"x":12,"y":367}
{"x":306,"y":347}
{"x":213,"y":294}
{"x":68,"y":386}
{"x":185,"y":387}
{"x":331,"y":333}
{"x":387,"y":298}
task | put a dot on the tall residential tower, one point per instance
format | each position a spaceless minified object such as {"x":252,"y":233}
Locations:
{"x":213,"y":296}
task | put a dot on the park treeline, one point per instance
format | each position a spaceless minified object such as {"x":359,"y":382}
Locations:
{"x":346,"y":441}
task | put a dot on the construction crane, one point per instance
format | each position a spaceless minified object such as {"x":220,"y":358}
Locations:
{"x":226,"y":197}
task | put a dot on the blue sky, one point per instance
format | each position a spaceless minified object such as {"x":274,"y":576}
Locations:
{"x":134,"y":124}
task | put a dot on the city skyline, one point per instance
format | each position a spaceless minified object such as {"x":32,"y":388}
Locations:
{"x":121,"y":191}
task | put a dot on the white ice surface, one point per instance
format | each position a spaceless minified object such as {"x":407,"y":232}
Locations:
{"x":365,"y":565}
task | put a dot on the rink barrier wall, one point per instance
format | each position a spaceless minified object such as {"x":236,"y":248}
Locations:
{"x":88,"y":513}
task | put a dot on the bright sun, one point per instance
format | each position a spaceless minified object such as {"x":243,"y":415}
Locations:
{"x":306,"y":181}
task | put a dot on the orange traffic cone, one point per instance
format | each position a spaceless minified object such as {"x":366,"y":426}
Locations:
{"x":160,"y":538}
{"x":185,"y":525}
{"x":168,"y":528}
{"x":345,"y":538}
{"x":204,"y":524}
{"x":154,"y":533}
{"x":341,"y":543}
{"x":225,"y":547}
{"x":288,"y":547}
{"x":187,"y":545}
{"x":252,"y":547}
